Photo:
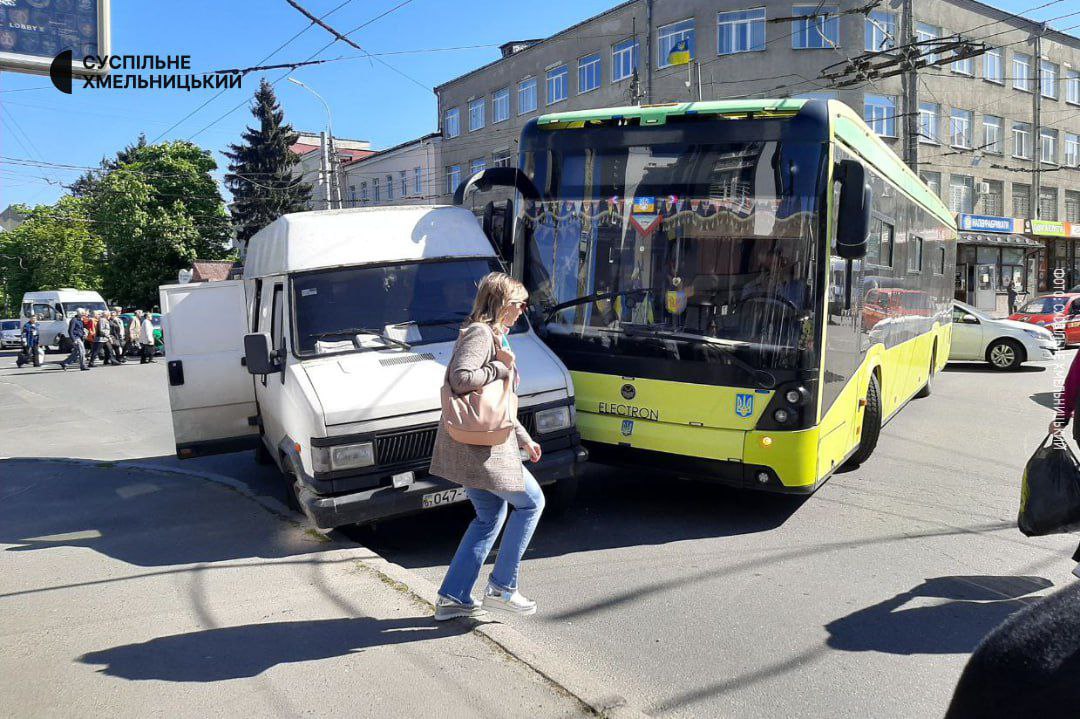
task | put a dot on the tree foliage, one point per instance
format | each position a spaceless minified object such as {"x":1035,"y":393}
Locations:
{"x":260,"y":173}
{"x":54,"y":247}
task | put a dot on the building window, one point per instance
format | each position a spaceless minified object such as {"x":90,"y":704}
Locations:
{"x":476,"y":114}
{"x":925,"y":33}
{"x":914,"y":260}
{"x":500,"y":106}
{"x":1021,"y":132}
{"x":960,"y":128}
{"x":933,"y":181}
{"x":476,"y":166}
{"x":1072,"y":86}
{"x":363,"y":192}
{"x":375,"y":194}
{"x":1048,"y":146}
{"x":389,"y":187}
{"x":928,"y":119}
{"x":993,"y":70}
{"x":1049,"y":79}
{"x":1072,"y":206}
{"x":818,"y":26}
{"x":879,"y":244}
{"x":352,"y":195}
{"x":961,"y":194}
{"x":557,"y":81}
{"x":880,"y":31}
{"x":670,"y":36}
{"x":1021,"y":72}
{"x":992,"y":134}
{"x":1048,"y":204}
{"x":418,"y":181}
{"x":879,"y":111}
{"x":993,"y":199}
{"x":1072,"y":150}
{"x":623,"y":59}
{"x":403,"y":180}
{"x":453,"y":178}
{"x":588,"y":73}
{"x":452,"y":123}
{"x":527,"y":96}
{"x":964,"y":66}
{"x":501,"y":158}
{"x":1021,"y":200}
{"x":740,"y":31}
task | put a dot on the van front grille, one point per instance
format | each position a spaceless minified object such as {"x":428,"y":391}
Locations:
{"x":417,"y":444}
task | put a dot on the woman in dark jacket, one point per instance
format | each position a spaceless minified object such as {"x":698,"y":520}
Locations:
{"x":493,"y":477}
{"x":1066,"y":408}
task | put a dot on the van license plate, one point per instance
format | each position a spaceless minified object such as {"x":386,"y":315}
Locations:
{"x":448,"y":496}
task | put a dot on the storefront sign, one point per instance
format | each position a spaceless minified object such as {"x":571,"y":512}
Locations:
{"x":988,"y":223}
{"x":1046,"y":228}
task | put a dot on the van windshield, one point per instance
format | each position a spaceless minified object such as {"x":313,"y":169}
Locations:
{"x":72,"y":308}
{"x":415,"y":302}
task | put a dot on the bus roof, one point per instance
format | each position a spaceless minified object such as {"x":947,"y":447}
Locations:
{"x":846,"y":124}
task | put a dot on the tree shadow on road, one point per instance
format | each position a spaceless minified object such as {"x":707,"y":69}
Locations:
{"x":245,"y":651}
{"x":951,"y":615}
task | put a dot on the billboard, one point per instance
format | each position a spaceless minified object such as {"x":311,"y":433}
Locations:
{"x":33,"y":32}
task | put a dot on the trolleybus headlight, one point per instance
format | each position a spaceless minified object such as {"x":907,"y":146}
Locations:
{"x":781,"y":415}
{"x":797,"y":395}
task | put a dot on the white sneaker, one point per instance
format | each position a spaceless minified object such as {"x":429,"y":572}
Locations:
{"x":514,"y":602}
{"x":449,"y":609}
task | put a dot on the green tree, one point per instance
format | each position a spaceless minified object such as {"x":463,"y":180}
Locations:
{"x":89,"y":179}
{"x":260,"y":173}
{"x":56,"y":246}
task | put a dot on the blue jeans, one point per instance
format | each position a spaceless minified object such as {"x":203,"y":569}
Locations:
{"x":491,"y":508}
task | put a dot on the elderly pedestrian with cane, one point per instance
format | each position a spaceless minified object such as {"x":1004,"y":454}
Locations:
{"x":77,"y":334}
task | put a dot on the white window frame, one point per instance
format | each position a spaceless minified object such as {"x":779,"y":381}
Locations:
{"x":476,"y":114}
{"x":453,"y":178}
{"x":500,"y":100}
{"x":1021,"y":131}
{"x":363,"y":192}
{"x":824,"y":17}
{"x":1049,"y":71}
{"x":930,"y":111}
{"x":878,"y":40}
{"x":965,"y":66}
{"x":1072,"y":86}
{"x":477,"y":165}
{"x":879,"y":112}
{"x":555,"y":78}
{"x":389,"y":187}
{"x":967,"y":184}
{"x":999,"y":56}
{"x":924,"y":32}
{"x":590,"y":67}
{"x":739,"y":25}
{"x":502,"y":158}
{"x":418,"y":180}
{"x":403,"y":178}
{"x":527,"y":91}
{"x":996,"y":146}
{"x":1072,"y":150}
{"x":376,"y":193}
{"x":1022,"y":81}
{"x":624,"y":53}
{"x":960,"y":119}
{"x":452,"y":122}
{"x":667,"y":36}
{"x":1048,"y":139}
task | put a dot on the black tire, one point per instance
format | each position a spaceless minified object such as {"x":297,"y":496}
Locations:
{"x":262,"y":454}
{"x":560,"y":496}
{"x":1005,"y":355}
{"x":928,"y":388}
{"x":289,"y":485}
{"x":871,"y":425}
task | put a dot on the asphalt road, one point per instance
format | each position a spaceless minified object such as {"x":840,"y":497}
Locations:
{"x":862,"y":600}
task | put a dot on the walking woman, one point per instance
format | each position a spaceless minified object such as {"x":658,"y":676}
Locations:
{"x":493,"y":477}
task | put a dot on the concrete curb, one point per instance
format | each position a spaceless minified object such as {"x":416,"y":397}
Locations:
{"x":591,"y":692}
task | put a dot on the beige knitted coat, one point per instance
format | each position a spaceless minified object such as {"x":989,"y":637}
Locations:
{"x":497,"y":468}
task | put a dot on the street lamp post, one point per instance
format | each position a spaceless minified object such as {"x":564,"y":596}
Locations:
{"x":333,"y":196}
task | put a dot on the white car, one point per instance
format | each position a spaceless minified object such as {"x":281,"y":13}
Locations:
{"x":1004,"y":344}
{"x":9,"y":333}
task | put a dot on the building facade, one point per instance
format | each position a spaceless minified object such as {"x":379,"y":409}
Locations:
{"x":407,"y":174}
{"x":323,"y":171}
{"x":980,"y":136}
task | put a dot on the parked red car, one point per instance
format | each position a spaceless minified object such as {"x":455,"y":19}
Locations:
{"x":1045,"y":310}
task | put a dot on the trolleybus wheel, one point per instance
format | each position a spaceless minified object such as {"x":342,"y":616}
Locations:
{"x":871,"y":425}
{"x":928,"y":387}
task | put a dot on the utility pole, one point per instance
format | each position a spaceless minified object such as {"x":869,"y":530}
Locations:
{"x":910,"y":85}
{"x":324,"y":170}
{"x":1036,"y":125}
{"x":648,"y":50}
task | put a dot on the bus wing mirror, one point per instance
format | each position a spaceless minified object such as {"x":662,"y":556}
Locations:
{"x":856,"y":207}
{"x":258,"y":354}
{"x":499,"y":227}
{"x":497,"y":177}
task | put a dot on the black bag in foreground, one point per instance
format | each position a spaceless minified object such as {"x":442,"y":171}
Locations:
{"x":1050,"y":492}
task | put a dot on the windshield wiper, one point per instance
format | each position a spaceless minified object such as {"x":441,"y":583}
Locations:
{"x":593,"y":297}
{"x":763,"y":378}
{"x":362,"y":331}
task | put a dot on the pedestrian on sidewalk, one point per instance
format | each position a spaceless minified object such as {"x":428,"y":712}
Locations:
{"x":116,"y":334}
{"x":30,"y":341}
{"x":146,"y":339}
{"x":133,"y":332}
{"x":1011,"y":290}
{"x":103,"y":340}
{"x":77,"y":335}
{"x":493,"y":477}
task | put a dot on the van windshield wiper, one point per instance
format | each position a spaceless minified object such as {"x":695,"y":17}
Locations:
{"x":361,"y":331}
{"x":763,"y":378}
{"x":594,"y":297}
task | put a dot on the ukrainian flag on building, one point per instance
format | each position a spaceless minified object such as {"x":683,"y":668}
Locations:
{"x":680,"y":54}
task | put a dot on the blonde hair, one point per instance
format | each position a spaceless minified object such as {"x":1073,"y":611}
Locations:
{"x":495,"y":292}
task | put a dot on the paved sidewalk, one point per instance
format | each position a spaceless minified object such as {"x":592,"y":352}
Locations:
{"x":134,"y":592}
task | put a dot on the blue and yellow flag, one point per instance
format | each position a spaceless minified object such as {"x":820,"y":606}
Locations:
{"x":680,"y":54}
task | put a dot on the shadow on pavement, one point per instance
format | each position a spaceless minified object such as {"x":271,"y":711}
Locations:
{"x":238,"y":652}
{"x":985,"y":368}
{"x":614,"y":508}
{"x":1046,"y":399}
{"x":959,"y":613}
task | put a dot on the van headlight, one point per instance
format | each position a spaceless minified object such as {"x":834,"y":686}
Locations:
{"x":343,"y":456}
{"x":552,"y":420}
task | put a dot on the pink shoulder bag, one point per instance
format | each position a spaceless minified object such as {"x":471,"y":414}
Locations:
{"x":482,"y":417}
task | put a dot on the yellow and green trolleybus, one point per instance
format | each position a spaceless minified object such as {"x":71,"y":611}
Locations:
{"x":743,"y":291}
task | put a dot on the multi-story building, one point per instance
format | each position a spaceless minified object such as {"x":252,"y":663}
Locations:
{"x":318,"y":167}
{"x":406,"y":174}
{"x":978,"y":145}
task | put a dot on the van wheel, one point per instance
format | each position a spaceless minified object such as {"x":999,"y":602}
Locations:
{"x":262,"y":454}
{"x":871,"y":425}
{"x":1005,"y":355}
{"x":288,"y":484}
{"x":560,"y":496}
{"x":928,"y":387}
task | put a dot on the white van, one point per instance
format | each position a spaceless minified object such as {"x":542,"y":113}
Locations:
{"x":329,"y":355}
{"x":54,"y":309}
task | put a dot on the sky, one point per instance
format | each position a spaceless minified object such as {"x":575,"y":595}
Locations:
{"x":369,"y":99}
